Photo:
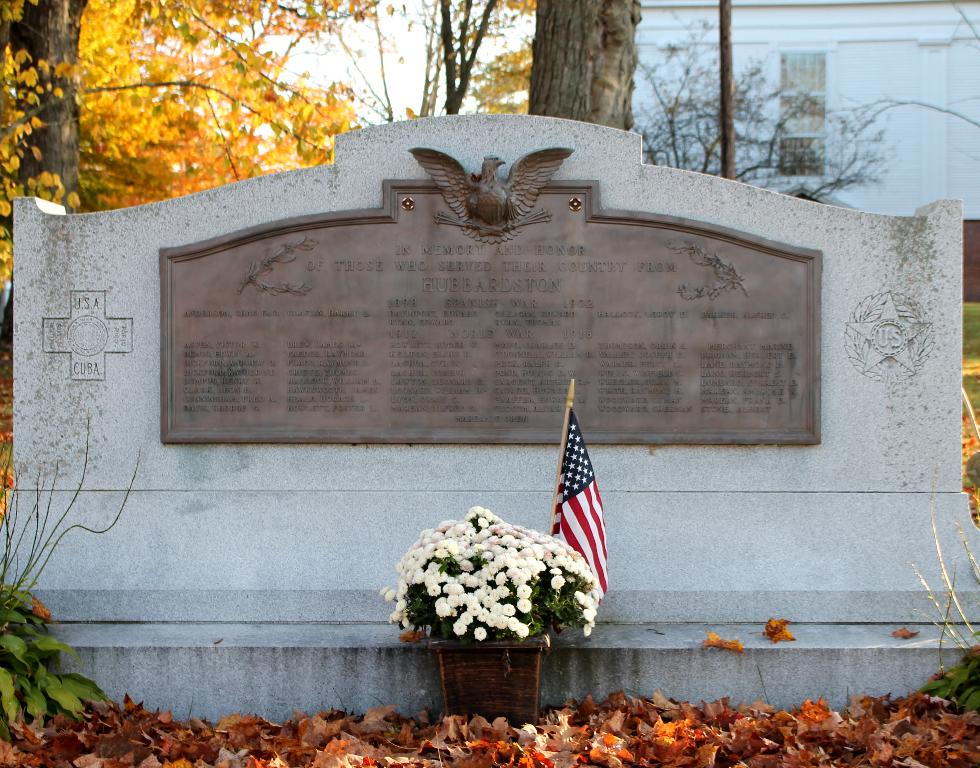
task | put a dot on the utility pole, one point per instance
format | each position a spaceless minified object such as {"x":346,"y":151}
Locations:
{"x":727,"y":87}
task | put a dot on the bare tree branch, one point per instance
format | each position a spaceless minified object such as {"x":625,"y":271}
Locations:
{"x":679,"y":124}
{"x":883,"y":105}
{"x":459,"y":58}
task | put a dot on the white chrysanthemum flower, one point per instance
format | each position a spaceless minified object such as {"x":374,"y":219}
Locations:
{"x":472,"y":570}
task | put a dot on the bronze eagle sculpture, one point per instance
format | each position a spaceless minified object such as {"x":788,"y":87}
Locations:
{"x":488,"y":209}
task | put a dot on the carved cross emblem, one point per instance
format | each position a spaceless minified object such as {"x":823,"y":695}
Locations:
{"x":87,"y":335}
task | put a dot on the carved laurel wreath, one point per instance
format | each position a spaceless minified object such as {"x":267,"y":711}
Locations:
{"x":284,"y":254}
{"x":726,"y":277}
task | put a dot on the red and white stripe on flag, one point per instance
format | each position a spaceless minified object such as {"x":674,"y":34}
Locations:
{"x":578,"y":511}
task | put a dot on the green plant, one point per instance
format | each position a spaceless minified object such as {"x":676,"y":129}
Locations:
{"x":31,"y":532}
{"x":26,"y":655}
{"x":959,"y":684}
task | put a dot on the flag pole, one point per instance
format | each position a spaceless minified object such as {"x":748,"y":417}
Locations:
{"x":569,"y":399}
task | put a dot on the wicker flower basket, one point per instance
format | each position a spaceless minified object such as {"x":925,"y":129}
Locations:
{"x":494,"y":679}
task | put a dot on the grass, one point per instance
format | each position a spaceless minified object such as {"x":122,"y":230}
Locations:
{"x":971,"y":351}
{"x":971,"y":377}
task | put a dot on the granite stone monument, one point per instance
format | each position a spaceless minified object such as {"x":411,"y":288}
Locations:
{"x":315,"y":365}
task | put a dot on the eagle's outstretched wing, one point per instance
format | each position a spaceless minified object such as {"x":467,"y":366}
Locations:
{"x":528,"y":175}
{"x":448,"y":175}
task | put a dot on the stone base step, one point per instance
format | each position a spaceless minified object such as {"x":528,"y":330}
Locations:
{"x":210,"y":670}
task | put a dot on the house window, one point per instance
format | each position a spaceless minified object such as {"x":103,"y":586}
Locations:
{"x":802,"y":111}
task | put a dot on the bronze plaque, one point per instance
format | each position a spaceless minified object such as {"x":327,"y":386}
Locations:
{"x":414,"y":324}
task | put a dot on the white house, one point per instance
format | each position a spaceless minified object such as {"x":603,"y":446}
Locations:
{"x":847,"y":53}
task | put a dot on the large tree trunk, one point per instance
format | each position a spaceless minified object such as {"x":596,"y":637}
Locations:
{"x":584,"y":59}
{"x":49,"y":32}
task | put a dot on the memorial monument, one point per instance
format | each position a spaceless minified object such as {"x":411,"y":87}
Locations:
{"x":315,"y":365}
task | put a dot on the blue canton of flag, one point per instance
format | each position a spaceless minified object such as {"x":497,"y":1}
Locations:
{"x":578,"y":512}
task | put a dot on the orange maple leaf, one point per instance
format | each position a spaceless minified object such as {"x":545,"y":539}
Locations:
{"x":715,"y":641}
{"x":412,"y":636}
{"x":814,"y":711}
{"x":904,"y":633}
{"x":777,"y":632}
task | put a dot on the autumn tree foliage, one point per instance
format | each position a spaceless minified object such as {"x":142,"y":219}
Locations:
{"x":209,"y":93}
{"x":160,"y":98}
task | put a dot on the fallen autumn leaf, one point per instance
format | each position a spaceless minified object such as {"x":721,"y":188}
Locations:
{"x":715,"y":641}
{"x":776,"y":631}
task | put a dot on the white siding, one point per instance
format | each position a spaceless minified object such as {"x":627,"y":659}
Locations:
{"x":869,"y":72}
{"x":963,"y":147}
{"x":877,"y":49}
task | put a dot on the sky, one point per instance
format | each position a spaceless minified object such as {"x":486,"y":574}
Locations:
{"x":354,"y":59}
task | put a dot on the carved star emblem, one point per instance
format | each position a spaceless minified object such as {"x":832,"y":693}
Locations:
{"x":888,"y":337}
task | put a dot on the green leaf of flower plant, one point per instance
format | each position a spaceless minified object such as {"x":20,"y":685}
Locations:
{"x":68,"y":700}
{"x":45,"y":643}
{"x":35,"y":703}
{"x":7,"y":697}
{"x":82,"y":687}
{"x":15,"y":645}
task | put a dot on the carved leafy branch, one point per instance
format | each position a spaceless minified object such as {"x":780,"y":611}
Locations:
{"x":284,"y":254}
{"x":726,"y":277}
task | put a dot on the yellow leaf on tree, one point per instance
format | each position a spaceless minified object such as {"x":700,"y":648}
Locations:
{"x":28,"y":77}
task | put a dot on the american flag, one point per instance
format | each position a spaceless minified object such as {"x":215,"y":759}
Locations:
{"x":578,"y":511}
